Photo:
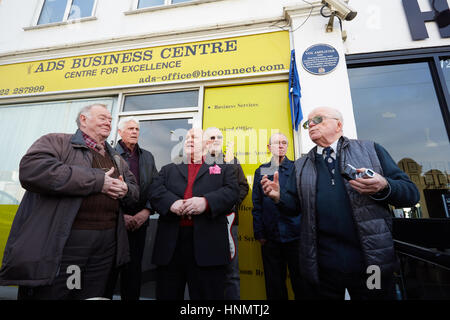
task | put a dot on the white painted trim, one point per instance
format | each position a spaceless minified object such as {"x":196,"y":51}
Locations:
{"x":163,"y":116}
{"x":167,"y":5}
{"x":60,"y":23}
{"x":201,"y":99}
{"x":37,"y":12}
{"x":157,"y":111}
{"x":67,"y":11}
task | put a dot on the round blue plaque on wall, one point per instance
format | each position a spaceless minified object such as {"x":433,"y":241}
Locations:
{"x":320,"y":59}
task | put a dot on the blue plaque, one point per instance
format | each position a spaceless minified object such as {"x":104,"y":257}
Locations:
{"x":320,"y":59}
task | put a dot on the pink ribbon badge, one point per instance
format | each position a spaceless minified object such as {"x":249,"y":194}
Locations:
{"x":214,"y":170}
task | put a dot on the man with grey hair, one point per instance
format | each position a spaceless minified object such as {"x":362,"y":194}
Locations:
{"x":277,"y":232}
{"x":214,"y":144}
{"x":142,"y":165}
{"x":69,"y":231}
{"x":342,"y":189}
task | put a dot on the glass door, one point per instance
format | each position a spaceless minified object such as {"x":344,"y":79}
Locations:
{"x":164,"y":138}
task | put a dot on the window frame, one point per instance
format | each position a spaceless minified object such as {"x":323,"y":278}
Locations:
{"x":65,"y":19}
{"x":432,"y":56}
{"x":167,"y":5}
{"x":158,"y":114}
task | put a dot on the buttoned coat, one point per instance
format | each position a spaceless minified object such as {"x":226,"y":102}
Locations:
{"x":221,"y":190}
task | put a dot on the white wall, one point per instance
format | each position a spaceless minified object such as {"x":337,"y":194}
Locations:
{"x":112,"y":23}
{"x":331,"y":90}
{"x":381,"y":25}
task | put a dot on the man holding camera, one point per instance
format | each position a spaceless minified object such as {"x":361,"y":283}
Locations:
{"x":346,"y":225}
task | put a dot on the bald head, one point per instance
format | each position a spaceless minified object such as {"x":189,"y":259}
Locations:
{"x":194,"y":144}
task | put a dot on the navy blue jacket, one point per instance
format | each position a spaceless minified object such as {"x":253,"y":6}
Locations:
{"x":269,"y":221}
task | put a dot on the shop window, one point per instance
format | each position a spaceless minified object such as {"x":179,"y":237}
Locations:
{"x":62,"y":10}
{"x":21,"y":125}
{"x":157,"y":101}
{"x":164,"y":119}
{"x":397,"y":107}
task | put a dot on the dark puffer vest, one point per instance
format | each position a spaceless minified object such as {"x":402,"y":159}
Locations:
{"x":372,"y":219}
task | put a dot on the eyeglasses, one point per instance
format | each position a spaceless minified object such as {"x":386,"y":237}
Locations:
{"x":216,"y":137}
{"x":316,"y":120}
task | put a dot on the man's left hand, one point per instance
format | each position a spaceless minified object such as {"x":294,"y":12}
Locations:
{"x":369,"y":186}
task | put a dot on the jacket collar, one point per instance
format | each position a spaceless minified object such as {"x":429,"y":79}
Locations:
{"x":342,"y":143}
{"x":286,"y":163}
{"x":78,"y":142}
{"x":207,"y":162}
{"x":122,"y":151}
{"x":77,"y":139}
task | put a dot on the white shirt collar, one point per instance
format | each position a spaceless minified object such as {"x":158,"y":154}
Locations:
{"x":333,"y":146}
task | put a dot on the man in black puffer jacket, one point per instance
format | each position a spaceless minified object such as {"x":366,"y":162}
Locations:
{"x":346,"y":227}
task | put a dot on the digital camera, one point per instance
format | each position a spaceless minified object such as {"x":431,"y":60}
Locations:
{"x":350,"y":173}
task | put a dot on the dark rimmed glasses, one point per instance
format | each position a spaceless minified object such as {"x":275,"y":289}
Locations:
{"x":316,"y":120}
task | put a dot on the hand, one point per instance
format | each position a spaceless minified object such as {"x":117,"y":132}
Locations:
{"x":114,"y":188}
{"x":262,"y":241}
{"x":110,"y":186}
{"x":130,"y":223}
{"x":124,"y":187}
{"x":271,"y":188}
{"x":229,"y":155}
{"x":177,"y":206}
{"x":194,"y":206}
{"x":140,"y":218}
{"x":369,"y":186}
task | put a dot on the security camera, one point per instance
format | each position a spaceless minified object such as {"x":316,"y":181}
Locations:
{"x":340,"y":9}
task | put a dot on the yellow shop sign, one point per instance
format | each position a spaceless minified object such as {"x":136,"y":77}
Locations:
{"x":220,"y":58}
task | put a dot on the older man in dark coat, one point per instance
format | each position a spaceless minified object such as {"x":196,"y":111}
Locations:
{"x":142,"y":164}
{"x":69,"y":230}
{"x":346,"y":226}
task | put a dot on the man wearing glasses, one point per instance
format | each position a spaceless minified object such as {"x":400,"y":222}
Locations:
{"x":278,"y":232}
{"x":346,"y":225}
{"x":214,"y":144}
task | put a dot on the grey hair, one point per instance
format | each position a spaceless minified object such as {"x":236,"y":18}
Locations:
{"x":277,"y":133}
{"x":123,"y":121}
{"x":86,"y":111}
{"x":336,"y":113}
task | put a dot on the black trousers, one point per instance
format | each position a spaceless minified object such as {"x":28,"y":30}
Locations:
{"x":204,"y":283}
{"x":277,"y":258}
{"x":333,"y":284}
{"x":130,"y":274}
{"x":93,"y":252}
